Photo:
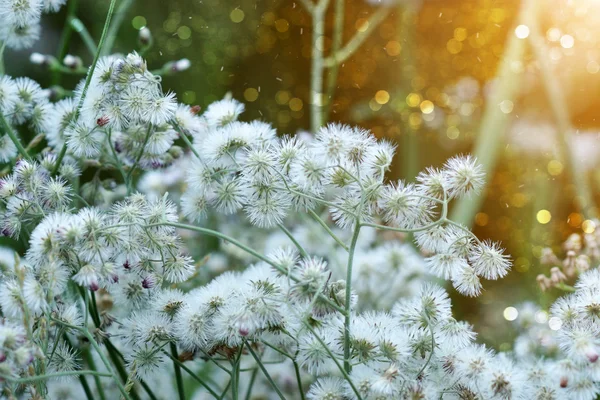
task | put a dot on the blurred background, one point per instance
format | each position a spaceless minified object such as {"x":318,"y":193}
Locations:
{"x":423,"y":78}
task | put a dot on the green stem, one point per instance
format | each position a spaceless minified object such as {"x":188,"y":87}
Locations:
{"x":242,"y":246}
{"x":65,"y":38}
{"x":2,"y":47}
{"x":178,"y":377}
{"x":358,"y":39}
{"x":92,"y":364}
{"x":335,"y":360}
{"x":52,"y":375}
{"x":327,"y":229}
{"x":114,"y":28}
{"x":298,"y":379}
{"x":88,"y":79}
{"x":128,"y":179}
{"x":265,"y":372}
{"x":235,"y":376}
{"x":317,"y":65}
{"x":251,"y":384}
{"x":494,"y":121}
{"x":96,"y":347}
{"x":560,"y":111}
{"x":86,"y":387}
{"x":347,"y":316}
{"x":303,"y":252}
{"x":338,"y":35}
{"x":193,"y":375}
{"x":13,"y":136}
{"x":148,"y":390}
{"x":80,"y":28}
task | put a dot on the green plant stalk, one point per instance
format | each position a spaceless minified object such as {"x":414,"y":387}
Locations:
{"x":65,"y":38}
{"x":235,"y":376}
{"x":80,"y":28}
{"x":106,"y":363}
{"x":114,"y":28}
{"x":129,"y":178}
{"x":560,"y":111}
{"x":299,"y":380}
{"x":52,"y":375}
{"x":178,"y":377}
{"x":334,"y":359}
{"x":303,"y":252}
{"x":251,"y":384}
{"x":317,"y":65}
{"x":338,"y":35}
{"x":2,"y":47}
{"x":88,"y":79}
{"x":348,"y":300}
{"x":328,"y":229}
{"x":494,"y":122}
{"x":90,"y":360}
{"x":242,"y":246}
{"x":193,"y":375}
{"x":358,"y":39}
{"x":86,"y":387}
{"x":13,"y":137}
{"x":407,"y":36}
{"x":265,"y":372}
{"x":114,"y":354}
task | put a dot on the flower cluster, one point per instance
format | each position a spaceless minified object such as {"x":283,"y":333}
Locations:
{"x":123,"y":115}
{"x":30,"y":193}
{"x":22,"y":102}
{"x":20,"y":20}
{"x":246,"y":167}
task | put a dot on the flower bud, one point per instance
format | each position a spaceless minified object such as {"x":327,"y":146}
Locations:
{"x":145,"y":36}
{"x":38,"y":58}
{"x":72,"y":62}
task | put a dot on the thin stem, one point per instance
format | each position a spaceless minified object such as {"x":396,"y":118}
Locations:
{"x":148,"y":390}
{"x":430,"y":354}
{"x":184,"y":137}
{"x":128,"y":179}
{"x":265,"y":372}
{"x":335,"y":360}
{"x":86,"y":387}
{"x":358,"y":39}
{"x":327,"y":229}
{"x":92,"y":364}
{"x":2,"y":47}
{"x":65,"y":38}
{"x":96,"y":347}
{"x":348,"y":300}
{"x":178,"y":377}
{"x":308,"y":4}
{"x":560,"y":111}
{"x":242,"y":246}
{"x":114,"y":28}
{"x":303,"y":252}
{"x":235,"y":375}
{"x":52,"y":375}
{"x":298,"y":379}
{"x":494,"y":121}
{"x":338,"y":35}
{"x":317,"y":64}
{"x":13,"y":136}
{"x":192,"y":374}
{"x":80,"y":28}
{"x":88,"y":79}
{"x":251,"y":384}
